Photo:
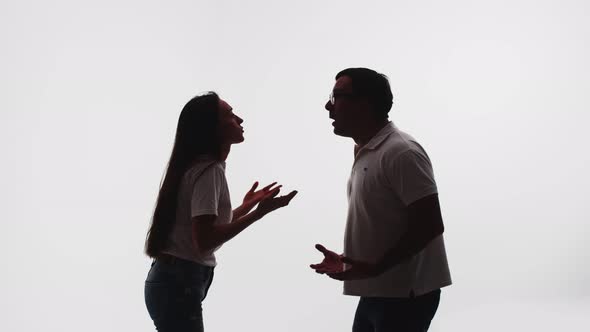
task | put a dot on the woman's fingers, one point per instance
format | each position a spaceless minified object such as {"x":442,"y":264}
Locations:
{"x":290,"y":196}
{"x":269,"y":186}
{"x":254,"y":186}
{"x":270,"y":202}
{"x":284,"y":200}
{"x":273,"y":193}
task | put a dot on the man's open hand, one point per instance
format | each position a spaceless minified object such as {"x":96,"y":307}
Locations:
{"x":334,"y":266}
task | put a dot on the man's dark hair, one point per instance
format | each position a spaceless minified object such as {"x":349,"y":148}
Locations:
{"x":374,"y":86}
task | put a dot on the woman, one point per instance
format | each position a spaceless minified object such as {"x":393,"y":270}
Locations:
{"x":193,"y":215}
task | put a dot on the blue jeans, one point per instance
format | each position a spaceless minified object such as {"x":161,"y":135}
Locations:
{"x":385,"y":314}
{"x":173,"y":293}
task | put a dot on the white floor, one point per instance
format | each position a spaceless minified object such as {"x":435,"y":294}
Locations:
{"x":537,"y":316}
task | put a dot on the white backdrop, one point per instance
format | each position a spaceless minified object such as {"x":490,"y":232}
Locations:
{"x":496,"y":91}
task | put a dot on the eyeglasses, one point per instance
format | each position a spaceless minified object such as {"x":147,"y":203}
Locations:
{"x":334,"y":95}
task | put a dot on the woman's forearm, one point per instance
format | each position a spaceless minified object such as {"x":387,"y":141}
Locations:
{"x":239,"y":212}
{"x":217,"y":235}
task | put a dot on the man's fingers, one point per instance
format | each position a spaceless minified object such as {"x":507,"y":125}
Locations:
{"x":326,"y":252}
{"x":324,"y":265}
{"x":338,"y":275}
{"x":322,"y":249}
{"x":319,"y":268}
{"x":329,"y":270}
{"x":318,"y":265}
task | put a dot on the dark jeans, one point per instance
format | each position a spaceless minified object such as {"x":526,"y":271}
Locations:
{"x":386,"y":314}
{"x":173,"y":293}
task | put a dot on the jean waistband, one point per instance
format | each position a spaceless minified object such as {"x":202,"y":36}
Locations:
{"x":168,"y":259}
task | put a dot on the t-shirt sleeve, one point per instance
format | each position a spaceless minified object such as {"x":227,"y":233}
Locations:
{"x":206,"y":192}
{"x":411,"y":176}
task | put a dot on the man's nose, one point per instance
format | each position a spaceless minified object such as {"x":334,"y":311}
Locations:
{"x":329,"y":106}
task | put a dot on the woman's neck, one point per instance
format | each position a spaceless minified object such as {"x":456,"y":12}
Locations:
{"x":225,"y":151}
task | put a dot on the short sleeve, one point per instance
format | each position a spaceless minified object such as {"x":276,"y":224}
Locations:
{"x":206,"y":192}
{"x":411,"y":176}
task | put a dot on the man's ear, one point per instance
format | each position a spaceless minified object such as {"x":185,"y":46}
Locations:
{"x":364,"y":104}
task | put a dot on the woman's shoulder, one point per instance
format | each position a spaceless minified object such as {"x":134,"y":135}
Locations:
{"x":205,"y":168}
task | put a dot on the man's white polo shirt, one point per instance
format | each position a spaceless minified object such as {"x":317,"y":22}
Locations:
{"x":390,"y":172}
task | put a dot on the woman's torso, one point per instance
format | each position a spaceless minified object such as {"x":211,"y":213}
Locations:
{"x":203,"y":191}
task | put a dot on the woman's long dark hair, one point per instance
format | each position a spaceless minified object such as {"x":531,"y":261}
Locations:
{"x":196,"y":134}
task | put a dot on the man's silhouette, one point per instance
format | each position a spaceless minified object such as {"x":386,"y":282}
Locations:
{"x":394,"y":254}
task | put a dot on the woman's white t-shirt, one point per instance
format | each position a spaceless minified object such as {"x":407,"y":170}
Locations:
{"x":202,"y":191}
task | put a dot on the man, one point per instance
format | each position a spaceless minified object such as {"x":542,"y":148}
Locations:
{"x":394,"y":255}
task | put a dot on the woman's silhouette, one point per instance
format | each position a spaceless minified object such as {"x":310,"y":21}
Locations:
{"x":193,"y":216}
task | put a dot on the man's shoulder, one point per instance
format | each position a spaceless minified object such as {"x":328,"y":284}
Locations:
{"x":400,"y":144}
{"x":397,"y":143}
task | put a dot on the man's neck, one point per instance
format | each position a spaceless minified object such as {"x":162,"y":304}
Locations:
{"x":364,"y":137}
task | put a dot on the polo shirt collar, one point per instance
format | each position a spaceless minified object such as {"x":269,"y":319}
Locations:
{"x":380,"y":136}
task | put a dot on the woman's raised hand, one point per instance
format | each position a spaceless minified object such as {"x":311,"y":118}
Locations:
{"x":270,"y":201}
{"x":254,"y":197}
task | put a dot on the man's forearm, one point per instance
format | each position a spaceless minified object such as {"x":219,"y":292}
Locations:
{"x":425,"y":223}
{"x":409,"y":245}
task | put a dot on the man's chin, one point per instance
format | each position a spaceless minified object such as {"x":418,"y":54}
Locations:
{"x":340,"y":132}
